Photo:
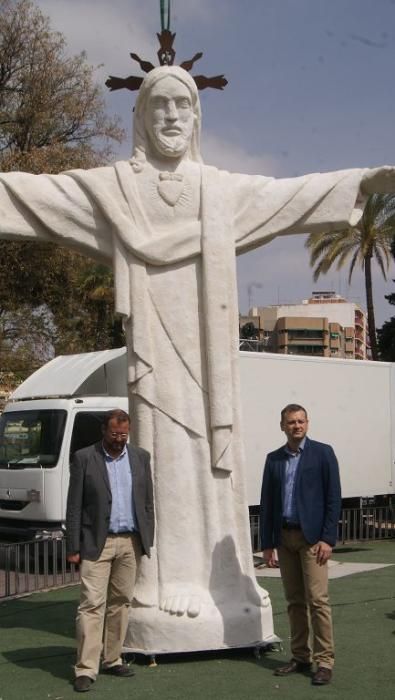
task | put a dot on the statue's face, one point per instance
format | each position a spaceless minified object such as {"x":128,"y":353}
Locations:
{"x":169,"y":117}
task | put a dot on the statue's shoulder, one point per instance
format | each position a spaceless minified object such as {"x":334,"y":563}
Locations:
{"x":234,"y":177}
{"x":232,"y":181}
{"x":211,"y":172}
{"x":103,"y":173}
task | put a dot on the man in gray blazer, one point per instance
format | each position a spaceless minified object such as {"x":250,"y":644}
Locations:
{"x":110,"y":525}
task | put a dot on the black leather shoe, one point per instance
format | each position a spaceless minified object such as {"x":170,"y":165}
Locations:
{"x":322,"y":676}
{"x":121,"y":670}
{"x":82,"y":684}
{"x":293,"y":667}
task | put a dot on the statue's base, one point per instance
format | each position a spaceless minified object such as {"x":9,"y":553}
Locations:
{"x":152,"y":631}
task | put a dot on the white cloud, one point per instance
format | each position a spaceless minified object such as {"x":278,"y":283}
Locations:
{"x":106,"y":31}
{"x":231,"y":156}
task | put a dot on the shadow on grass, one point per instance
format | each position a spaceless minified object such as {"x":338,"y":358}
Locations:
{"x":56,"y":660}
{"x":55,"y":617}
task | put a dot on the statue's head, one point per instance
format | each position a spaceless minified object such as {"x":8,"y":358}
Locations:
{"x":167,"y":116}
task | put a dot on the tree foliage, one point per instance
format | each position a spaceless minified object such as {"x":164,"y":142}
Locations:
{"x":248,"y":331}
{"x":52,"y":118}
{"x":386,"y":340}
{"x":386,"y":334}
{"x":48,"y":100}
{"x":370,"y":239}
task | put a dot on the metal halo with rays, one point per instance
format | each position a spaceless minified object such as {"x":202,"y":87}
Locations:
{"x":166,"y":55}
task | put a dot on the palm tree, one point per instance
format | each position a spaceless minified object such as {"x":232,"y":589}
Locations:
{"x":370,"y":238}
{"x":96,"y":284}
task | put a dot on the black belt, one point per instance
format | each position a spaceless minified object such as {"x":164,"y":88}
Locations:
{"x":288,"y":525}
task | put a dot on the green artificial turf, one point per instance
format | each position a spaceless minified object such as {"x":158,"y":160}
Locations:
{"x":375,"y":552}
{"x":37,"y":649}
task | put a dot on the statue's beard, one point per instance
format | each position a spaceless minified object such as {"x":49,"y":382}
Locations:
{"x":170,"y":146}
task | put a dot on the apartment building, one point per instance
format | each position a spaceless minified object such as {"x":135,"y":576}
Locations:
{"x":326,"y":324}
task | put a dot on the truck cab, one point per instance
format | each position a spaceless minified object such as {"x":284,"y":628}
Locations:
{"x":56,"y":411}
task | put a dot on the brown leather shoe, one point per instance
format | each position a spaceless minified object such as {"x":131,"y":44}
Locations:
{"x":293,"y":667}
{"x":82,"y":684}
{"x":322,"y":676}
{"x":120,"y":670}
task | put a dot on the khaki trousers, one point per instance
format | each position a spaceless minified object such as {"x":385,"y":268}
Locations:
{"x":306,"y":591}
{"x":106,"y":592}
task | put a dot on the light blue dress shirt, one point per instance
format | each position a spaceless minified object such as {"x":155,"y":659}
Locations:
{"x":123,"y":515}
{"x":290,"y":509}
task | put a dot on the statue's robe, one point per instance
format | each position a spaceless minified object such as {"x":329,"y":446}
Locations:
{"x":176,"y":289}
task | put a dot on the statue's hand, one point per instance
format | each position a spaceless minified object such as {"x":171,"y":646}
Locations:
{"x":380,"y":180}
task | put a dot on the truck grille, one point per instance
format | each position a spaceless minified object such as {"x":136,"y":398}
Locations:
{"x":13,"y":505}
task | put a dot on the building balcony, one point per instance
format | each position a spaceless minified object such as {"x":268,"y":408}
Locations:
{"x":307,"y":342}
{"x":359,"y":321}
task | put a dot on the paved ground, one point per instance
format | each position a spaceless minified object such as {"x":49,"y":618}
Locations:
{"x":337,"y":569}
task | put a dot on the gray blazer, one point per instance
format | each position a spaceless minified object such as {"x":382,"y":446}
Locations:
{"x":89,"y":501}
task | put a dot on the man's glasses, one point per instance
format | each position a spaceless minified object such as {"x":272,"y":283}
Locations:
{"x":124,"y":436}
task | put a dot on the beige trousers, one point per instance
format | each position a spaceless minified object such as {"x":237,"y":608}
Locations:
{"x":106,"y":592}
{"x":306,"y":591}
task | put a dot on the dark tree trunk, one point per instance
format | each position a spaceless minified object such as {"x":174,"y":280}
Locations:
{"x":370,"y":307}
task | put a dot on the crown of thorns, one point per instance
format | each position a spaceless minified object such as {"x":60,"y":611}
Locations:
{"x":166,"y":55}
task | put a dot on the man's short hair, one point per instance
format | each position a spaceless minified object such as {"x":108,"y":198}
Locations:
{"x":292,"y":408}
{"x":115,"y":414}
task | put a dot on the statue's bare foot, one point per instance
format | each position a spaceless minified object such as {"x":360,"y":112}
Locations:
{"x":181,"y":604}
{"x":183,"y":599}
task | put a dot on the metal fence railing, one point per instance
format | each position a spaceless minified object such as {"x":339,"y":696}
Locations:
{"x":367,"y":523}
{"x":37,"y":565}
{"x":355,"y":524}
{"x":34,"y":566}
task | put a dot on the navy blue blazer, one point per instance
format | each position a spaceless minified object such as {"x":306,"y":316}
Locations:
{"x":317,"y":493}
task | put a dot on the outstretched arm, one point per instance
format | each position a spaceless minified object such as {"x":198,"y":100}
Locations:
{"x":266,"y":207}
{"x":53,"y":208}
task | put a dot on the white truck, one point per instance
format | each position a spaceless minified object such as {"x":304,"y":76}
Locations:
{"x":59,"y":409}
{"x":55,"y":412}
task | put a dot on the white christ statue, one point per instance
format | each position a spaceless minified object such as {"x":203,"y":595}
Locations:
{"x":171,"y":227}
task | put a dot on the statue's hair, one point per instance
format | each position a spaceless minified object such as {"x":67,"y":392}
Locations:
{"x":139,"y":131}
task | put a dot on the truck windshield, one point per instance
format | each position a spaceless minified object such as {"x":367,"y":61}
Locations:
{"x":31,"y":438}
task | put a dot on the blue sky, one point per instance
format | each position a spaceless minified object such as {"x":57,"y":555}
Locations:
{"x":311,"y":88}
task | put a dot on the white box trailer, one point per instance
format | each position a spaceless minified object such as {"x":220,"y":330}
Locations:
{"x":350,"y":405}
{"x":59,"y":410}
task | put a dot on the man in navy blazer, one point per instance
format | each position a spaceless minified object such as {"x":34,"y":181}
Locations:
{"x":300,"y":509}
{"x":109,"y":526}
